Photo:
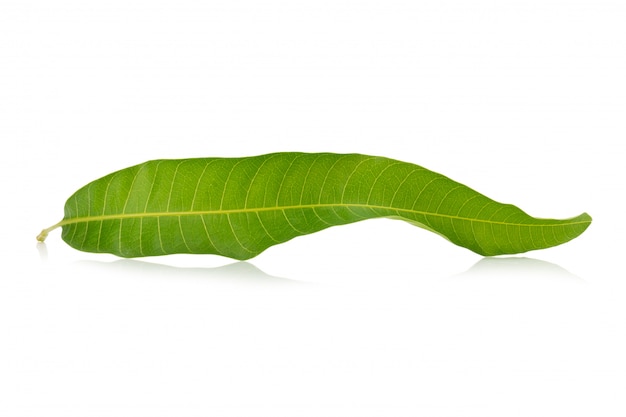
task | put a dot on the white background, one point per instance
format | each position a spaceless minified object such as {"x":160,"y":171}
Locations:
{"x":524,"y":101}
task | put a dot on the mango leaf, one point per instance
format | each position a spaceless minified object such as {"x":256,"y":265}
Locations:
{"x":238,"y":207}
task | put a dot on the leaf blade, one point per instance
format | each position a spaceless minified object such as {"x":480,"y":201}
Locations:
{"x":238,"y":207}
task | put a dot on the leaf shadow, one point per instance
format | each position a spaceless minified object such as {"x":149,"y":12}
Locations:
{"x":517,"y":268}
{"x":42,"y":251}
{"x":243,"y":273}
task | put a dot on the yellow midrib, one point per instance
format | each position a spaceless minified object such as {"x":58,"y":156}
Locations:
{"x":276,"y":208}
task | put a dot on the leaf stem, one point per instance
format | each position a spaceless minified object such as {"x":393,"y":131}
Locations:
{"x":41,"y":237}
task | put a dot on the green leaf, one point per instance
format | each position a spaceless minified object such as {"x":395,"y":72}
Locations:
{"x":238,"y":207}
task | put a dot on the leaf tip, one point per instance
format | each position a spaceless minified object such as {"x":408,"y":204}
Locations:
{"x":584,"y":220}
